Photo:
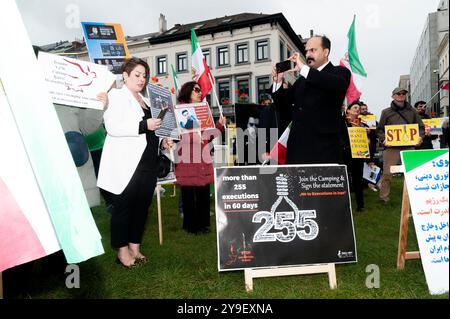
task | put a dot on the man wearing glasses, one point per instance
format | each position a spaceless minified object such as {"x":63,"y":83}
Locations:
{"x":399,"y":113}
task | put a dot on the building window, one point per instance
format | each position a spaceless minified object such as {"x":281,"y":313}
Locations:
{"x":161,"y":64}
{"x":243,"y":90}
{"x":223,"y":56}
{"x":207,"y":55}
{"x":182,"y":63}
{"x":241,"y":53}
{"x":224,"y":91}
{"x":262,"y":50}
{"x":263,"y":86}
{"x":282,"y":57}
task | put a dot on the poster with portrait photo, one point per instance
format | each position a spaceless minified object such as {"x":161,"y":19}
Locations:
{"x":160,"y":99}
{"x":247,"y":124}
{"x":98,"y":31}
{"x":194,"y":117}
{"x":106,"y":44}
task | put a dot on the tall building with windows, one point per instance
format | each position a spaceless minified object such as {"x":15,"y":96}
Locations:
{"x":429,"y":69}
{"x":442,"y":52}
{"x":424,"y":81}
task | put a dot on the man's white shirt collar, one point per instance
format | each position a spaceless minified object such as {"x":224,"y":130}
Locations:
{"x":320,"y":68}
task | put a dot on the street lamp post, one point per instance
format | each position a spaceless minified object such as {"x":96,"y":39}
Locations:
{"x":438,"y":104}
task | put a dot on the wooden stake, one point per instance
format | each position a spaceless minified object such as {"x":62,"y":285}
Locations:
{"x":158,"y":198}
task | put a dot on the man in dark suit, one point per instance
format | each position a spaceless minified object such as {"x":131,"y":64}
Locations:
{"x":316,"y":99}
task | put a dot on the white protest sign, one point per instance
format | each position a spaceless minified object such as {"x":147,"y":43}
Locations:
{"x":426,"y":175}
{"x":74,"y":82}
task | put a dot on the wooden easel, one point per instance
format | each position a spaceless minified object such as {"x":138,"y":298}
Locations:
{"x":250,"y":274}
{"x":404,"y":255}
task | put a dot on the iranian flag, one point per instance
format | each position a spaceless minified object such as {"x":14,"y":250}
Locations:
{"x":200,"y":70}
{"x":26,"y":230}
{"x":278,"y":152}
{"x":351,"y":61}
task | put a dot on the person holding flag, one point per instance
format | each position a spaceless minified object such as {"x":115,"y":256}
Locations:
{"x":194,"y":169}
{"x":316,"y":99}
{"x":201,"y":72}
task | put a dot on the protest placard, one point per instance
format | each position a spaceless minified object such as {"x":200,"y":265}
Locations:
{"x":74,"y":82}
{"x":297,"y":215}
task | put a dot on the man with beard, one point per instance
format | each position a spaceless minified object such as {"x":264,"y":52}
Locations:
{"x":399,"y":113}
{"x":314,"y":105}
{"x":427,"y":144}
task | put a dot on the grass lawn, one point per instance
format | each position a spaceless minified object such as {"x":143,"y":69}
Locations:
{"x":185,"y":266}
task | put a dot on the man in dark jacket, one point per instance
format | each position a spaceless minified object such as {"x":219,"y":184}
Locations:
{"x":427,"y":144}
{"x":316,"y":99}
{"x":400,"y":112}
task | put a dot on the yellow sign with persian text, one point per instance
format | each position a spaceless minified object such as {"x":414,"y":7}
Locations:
{"x":402,"y":135}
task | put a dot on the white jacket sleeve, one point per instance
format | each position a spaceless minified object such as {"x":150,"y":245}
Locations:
{"x":121,"y":118}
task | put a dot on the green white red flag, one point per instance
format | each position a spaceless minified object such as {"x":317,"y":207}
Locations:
{"x":351,"y":61}
{"x":200,"y":70}
{"x":278,"y":152}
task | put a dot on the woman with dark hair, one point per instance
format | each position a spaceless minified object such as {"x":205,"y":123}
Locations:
{"x":356,"y":165}
{"x":128,"y":167}
{"x":194,"y":170}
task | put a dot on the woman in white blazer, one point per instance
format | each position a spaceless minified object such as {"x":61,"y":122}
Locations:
{"x":129,"y":162}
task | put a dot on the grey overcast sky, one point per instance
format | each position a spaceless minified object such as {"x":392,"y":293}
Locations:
{"x":387,"y":31}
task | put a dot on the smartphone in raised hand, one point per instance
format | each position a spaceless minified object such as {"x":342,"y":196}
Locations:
{"x":283,"y":66}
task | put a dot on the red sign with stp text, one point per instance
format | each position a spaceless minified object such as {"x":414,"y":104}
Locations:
{"x":402,"y":135}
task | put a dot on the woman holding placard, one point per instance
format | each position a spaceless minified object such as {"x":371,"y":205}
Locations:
{"x":194,"y":169}
{"x":128,"y":167}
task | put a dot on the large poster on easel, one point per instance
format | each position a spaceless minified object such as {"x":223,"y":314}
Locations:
{"x":427,"y":180}
{"x":283,"y":216}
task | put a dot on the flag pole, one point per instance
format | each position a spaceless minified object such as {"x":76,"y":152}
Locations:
{"x":217,"y":99}
{"x":433,"y":97}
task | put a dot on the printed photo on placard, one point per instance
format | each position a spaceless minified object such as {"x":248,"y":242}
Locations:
{"x":161,"y":106}
{"x":247,"y":124}
{"x":194,"y":117}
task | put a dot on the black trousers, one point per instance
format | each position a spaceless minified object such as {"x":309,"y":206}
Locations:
{"x":195,"y":201}
{"x":356,"y":170}
{"x":131,"y":209}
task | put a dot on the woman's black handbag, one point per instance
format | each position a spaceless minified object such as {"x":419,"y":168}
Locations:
{"x":164,"y":165}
